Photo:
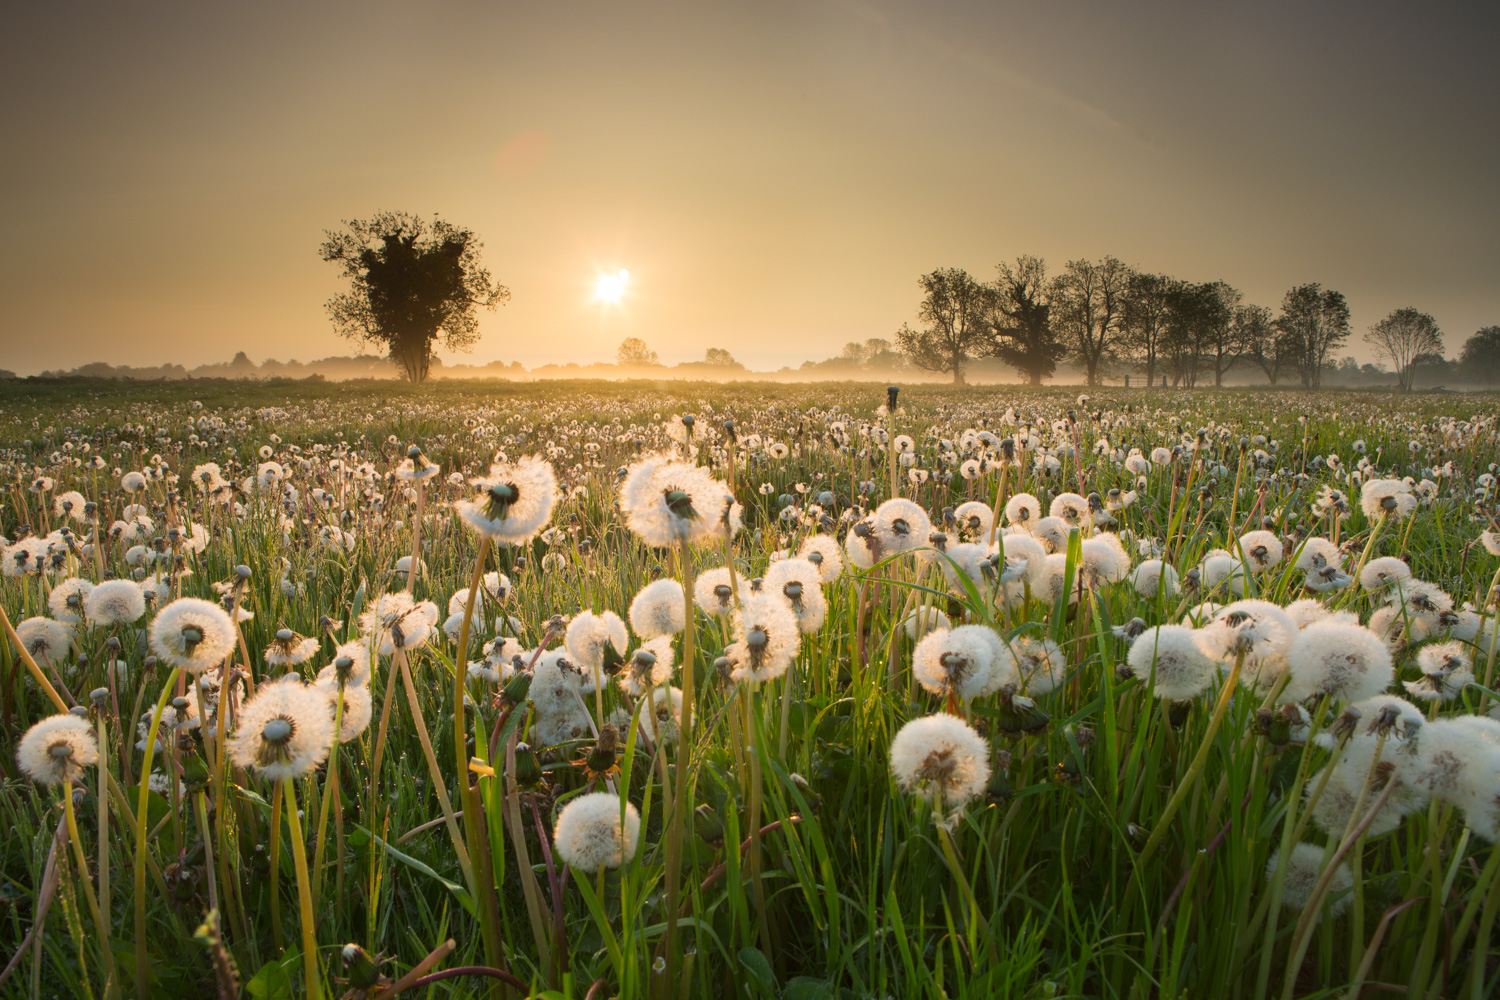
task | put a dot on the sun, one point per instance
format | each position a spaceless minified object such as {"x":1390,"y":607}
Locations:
{"x":611,"y":287}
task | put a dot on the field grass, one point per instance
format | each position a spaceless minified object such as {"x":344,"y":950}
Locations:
{"x":1121,"y":848}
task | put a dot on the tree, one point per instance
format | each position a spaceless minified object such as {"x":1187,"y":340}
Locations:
{"x":1088,"y":304}
{"x":411,"y":280}
{"x":1182,"y":342}
{"x":720,"y":358}
{"x":633,"y":352}
{"x":1401,"y":337}
{"x":1270,"y":348}
{"x":1148,"y":312}
{"x":1431,"y":367}
{"x":1020,"y":320}
{"x":1315,"y":323}
{"x":1218,"y":335}
{"x":1480,"y":358}
{"x":954,"y":310}
{"x":1255,"y":335}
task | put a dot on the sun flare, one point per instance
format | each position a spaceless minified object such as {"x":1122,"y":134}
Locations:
{"x":611,"y":287}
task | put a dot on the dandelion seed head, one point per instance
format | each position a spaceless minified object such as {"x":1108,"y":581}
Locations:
{"x":57,"y":749}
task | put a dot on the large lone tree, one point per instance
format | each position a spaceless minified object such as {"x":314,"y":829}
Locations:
{"x":412,"y":279}
{"x":1401,"y":338}
{"x":954,"y":309}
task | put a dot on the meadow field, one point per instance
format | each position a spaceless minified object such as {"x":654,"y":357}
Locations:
{"x":690,"y":690}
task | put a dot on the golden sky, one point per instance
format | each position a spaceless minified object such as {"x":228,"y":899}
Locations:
{"x":774,"y":175}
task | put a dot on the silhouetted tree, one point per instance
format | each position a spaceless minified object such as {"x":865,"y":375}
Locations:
{"x":1316,"y":323}
{"x":634,"y":352}
{"x":1088,"y":306}
{"x":1020,"y":320}
{"x":1401,"y":337}
{"x":721,"y":358}
{"x":954,"y":310}
{"x":1480,"y":358}
{"x":412,"y":279}
{"x":1253,"y":332}
{"x":1218,"y":343}
{"x":1148,"y":311}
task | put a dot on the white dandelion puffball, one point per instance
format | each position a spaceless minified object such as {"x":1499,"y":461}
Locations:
{"x":766,"y":640}
{"x":713,"y":591}
{"x":1258,"y":629}
{"x":1025,"y":559}
{"x":69,"y":599}
{"x":800,"y":584}
{"x":57,"y":749}
{"x":588,"y":834}
{"x":589,"y":634}
{"x":1262,"y":550}
{"x":1181,"y":670}
{"x":555,"y":684}
{"x":1153,"y":577}
{"x":1347,"y":662}
{"x":284,"y":730}
{"x":663,"y":723}
{"x":115,"y":602}
{"x":974,"y":519}
{"x":1381,"y":498}
{"x":669,"y":503}
{"x":358,"y":707}
{"x":823,"y":551}
{"x":901,"y":526}
{"x":1023,"y":510}
{"x":513,"y":502}
{"x":649,"y":666}
{"x":920,"y":621}
{"x":395,"y":620}
{"x":1446,"y":670}
{"x":1040,"y":662}
{"x":658,"y":609}
{"x":193,"y":634}
{"x":1304,"y":868}
{"x":957,"y":661}
{"x":46,"y":640}
{"x":1383,"y":572}
{"x":941,"y":754}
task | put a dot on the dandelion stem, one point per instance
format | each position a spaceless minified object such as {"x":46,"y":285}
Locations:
{"x":1301,"y":938}
{"x":438,"y":784}
{"x":142,"y":966}
{"x":310,"y":971}
{"x":275,"y":884}
{"x":1195,"y":769}
{"x":105,"y":954}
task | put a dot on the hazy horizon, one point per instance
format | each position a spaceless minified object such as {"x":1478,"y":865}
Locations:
{"x":775,"y":177}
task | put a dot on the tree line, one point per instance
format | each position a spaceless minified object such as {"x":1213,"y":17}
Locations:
{"x":1105,"y":316}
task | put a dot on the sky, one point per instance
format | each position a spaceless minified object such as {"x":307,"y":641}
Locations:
{"x":774,"y":175}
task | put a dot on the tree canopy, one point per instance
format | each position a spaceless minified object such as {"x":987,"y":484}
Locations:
{"x":411,"y":280}
{"x":1402,"y":337}
{"x":953,"y":310}
{"x":633,"y":352}
{"x":1020,"y":319}
{"x":1480,"y":358}
{"x":1315,"y":322}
